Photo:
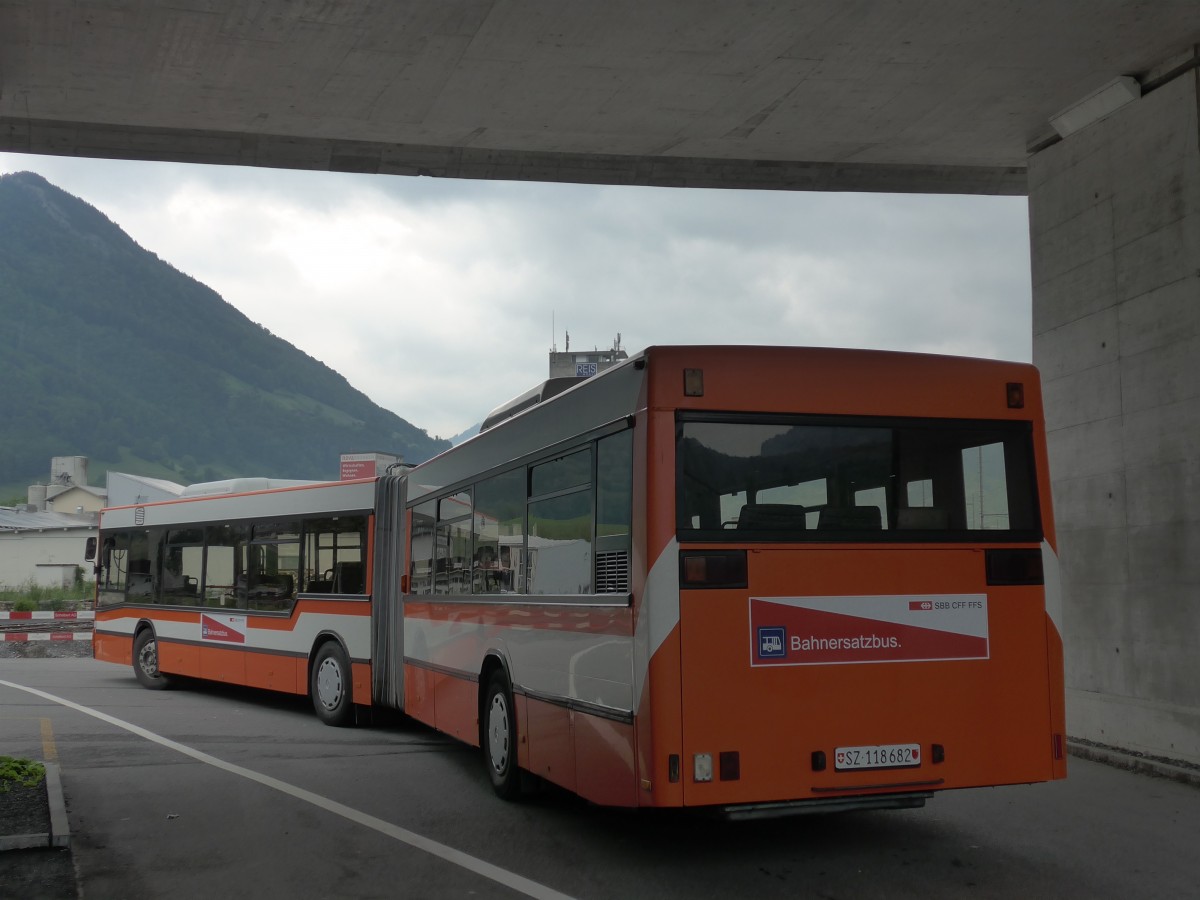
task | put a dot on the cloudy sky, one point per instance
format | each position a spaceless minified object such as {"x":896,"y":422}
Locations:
{"x":440,"y":299}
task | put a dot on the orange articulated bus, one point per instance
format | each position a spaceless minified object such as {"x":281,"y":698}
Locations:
{"x":761,"y":580}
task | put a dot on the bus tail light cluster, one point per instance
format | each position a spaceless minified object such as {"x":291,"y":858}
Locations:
{"x":729,"y":766}
{"x":1014,"y":566}
{"x":712,"y":569}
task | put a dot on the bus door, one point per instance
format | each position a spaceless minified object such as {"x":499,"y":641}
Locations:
{"x":861,"y":608}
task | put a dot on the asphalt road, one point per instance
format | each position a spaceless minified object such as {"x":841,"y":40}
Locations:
{"x":225,"y":792}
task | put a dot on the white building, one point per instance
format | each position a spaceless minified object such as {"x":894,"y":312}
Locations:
{"x":128,"y":490}
{"x":42,"y":547}
{"x":585,"y":363}
{"x":43,"y":542}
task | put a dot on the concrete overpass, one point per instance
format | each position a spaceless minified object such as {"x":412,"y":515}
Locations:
{"x":1089,"y":106}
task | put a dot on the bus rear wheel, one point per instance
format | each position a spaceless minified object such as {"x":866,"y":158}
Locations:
{"x":145,"y":661}
{"x":331,"y":687}
{"x":499,"y":738}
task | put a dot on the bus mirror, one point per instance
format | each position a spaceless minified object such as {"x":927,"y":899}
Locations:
{"x":89,"y":551}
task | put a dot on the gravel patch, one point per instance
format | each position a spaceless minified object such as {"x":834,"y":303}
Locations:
{"x":45,"y":649}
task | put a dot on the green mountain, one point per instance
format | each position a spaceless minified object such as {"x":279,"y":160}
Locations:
{"x":106,"y":351}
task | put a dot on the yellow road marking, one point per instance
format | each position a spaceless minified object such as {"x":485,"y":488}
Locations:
{"x":49,"y":750}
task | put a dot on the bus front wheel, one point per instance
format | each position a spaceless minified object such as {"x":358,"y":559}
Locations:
{"x":331,"y":688}
{"x":499,"y":738}
{"x":145,"y":661}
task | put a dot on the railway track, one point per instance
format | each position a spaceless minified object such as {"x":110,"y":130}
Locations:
{"x":46,"y":625}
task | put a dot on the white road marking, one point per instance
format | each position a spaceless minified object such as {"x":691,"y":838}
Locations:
{"x":441,"y":851}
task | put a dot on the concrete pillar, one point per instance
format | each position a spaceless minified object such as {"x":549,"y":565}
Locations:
{"x":1115,"y":229}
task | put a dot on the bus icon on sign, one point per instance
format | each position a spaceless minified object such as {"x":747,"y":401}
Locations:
{"x":772,"y":641}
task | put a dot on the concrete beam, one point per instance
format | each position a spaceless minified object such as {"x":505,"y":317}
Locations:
{"x":100,"y":141}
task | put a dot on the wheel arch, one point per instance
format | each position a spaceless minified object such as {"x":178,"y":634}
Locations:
{"x":323,"y":638}
{"x":157,"y":680}
{"x":493,"y":661}
{"x":508,"y":781}
{"x":144,"y":625}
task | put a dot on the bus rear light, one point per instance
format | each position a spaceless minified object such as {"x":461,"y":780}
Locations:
{"x":818,"y":761}
{"x":1057,"y":743}
{"x":693,"y":382}
{"x":712,"y":569}
{"x":730,"y":765}
{"x":1014,"y":566}
{"x":702,"y":769}
{"x":1016,"y":395}
{"x":937,"y":753}
{"x":673,"y":768}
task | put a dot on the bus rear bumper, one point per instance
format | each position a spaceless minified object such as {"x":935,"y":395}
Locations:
{"x":748,"y":811}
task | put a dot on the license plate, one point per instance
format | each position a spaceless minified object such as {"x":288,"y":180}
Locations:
{"x":882,"y":756}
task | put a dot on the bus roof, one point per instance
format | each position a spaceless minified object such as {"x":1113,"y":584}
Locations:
{"x":306,"y":498}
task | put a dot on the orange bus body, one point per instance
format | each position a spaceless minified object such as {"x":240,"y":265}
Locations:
{"x":888,"y":630}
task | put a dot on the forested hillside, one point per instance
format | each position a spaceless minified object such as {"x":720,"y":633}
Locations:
{"x":106,"y":351}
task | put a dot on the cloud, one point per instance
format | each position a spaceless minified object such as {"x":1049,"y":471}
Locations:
{"x":436,"y":297}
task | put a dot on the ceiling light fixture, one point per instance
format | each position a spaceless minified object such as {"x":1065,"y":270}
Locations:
{"x":1097,"y":105}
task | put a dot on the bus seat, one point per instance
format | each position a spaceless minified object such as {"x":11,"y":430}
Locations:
{"x":850,"y":518}
{"x":771,"y":517}
{"x":922,"y":518}
{"x":348,"y":578}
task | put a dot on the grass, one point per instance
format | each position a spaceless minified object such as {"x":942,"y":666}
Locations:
{"x":19,"y":773}
{"x":30,"y":597}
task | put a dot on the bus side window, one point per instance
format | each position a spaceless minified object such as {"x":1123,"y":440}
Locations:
{"x":274,"y":567}
{"x":182,"y":566}
{"x":114,"y":562}
{"x":420,"y":551}
{"x":499,"y":533}
{"x":614,"y":512}
{"x":140,"y":587}
{"x":452,"y":559}
{"x":225,"y":570}
{"x":559,"y":541}
{"x":329,"y":542}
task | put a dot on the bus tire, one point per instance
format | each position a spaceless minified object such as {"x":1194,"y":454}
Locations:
{"x":145,"y":661}
{"x":331,"y":686}
{"x":498,"y":740}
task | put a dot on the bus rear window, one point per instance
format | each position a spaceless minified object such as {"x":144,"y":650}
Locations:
{"x":776,"y":478}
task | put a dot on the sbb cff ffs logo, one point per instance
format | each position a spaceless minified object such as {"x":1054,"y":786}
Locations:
{"x":920,"y":604}
{"x":772,"y":641}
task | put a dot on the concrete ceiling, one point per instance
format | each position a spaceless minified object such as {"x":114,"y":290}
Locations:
{"x":907,"y":95}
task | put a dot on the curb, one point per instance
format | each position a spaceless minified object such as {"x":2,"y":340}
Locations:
{"x":60,"y":830}
{"x":1123,"y":760}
